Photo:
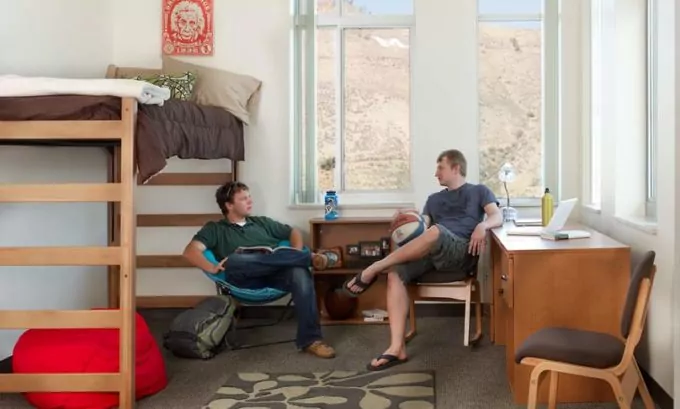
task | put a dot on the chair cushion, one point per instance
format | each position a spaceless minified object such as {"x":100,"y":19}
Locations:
{"x":443,"y":276}
{"x":587,"y":348}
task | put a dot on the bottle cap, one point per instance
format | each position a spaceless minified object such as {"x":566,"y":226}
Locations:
{"x":547,"y":190}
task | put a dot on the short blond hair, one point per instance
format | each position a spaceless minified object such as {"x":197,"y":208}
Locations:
{"x":454,"y":157}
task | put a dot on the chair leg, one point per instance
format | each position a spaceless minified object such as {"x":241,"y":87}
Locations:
{"x":642,"y":388}
{"x":412,"y":321}
{"x":534,"y":382}
{"x":552,"y":398}
{"x":284,"y":314}
{"x":478,"y":314}
{"x":466,"y":330}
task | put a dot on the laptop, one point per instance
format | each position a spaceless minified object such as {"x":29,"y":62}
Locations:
{"x":556,"y":225}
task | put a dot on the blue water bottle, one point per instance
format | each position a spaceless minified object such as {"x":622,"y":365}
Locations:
{"x":331,"y":205}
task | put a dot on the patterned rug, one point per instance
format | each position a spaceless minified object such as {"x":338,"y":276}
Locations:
{"x":328,"y":390}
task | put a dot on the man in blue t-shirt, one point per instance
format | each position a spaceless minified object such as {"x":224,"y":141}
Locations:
{"x":458,"y":218}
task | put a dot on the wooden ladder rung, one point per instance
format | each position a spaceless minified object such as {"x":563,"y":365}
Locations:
{"x":91,"y":382}
{"x":189,"y":179}
{"x":60,"y":256}
{"x":25,"y":319}
{"x":67,"y":192}
{"x":176,"y":220}
{"x":162,"y":261}
{"x":81,"y":130}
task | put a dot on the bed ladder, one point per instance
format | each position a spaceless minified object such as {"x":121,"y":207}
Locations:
{"x":121,"y":255}
{"x":165,"y":220}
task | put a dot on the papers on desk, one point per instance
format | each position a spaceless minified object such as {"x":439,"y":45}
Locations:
{"x":546,"y":234}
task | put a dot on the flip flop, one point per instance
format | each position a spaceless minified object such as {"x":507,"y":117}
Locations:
{"x":391,"y":361}
{"x":362,"y":285}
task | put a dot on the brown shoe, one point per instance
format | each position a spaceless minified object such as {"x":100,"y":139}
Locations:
{"x":321,"y":349}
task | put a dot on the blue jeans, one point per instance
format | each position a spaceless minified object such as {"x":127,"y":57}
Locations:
{"x":287,"y":270}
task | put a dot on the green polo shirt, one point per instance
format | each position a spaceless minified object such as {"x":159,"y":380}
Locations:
{"x":224,"y":237}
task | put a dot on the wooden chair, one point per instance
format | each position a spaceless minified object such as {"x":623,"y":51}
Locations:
{"x":457,"y":285}
{"x":592,"y":354}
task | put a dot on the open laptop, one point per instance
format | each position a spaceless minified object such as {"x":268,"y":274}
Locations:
{"x":556,"y":225}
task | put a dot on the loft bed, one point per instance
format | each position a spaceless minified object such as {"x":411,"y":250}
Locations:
{"x":121,"y":132}
{"x":140,"y":138}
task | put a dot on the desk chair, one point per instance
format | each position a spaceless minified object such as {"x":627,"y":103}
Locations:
{"x":458,"y":285}
{"x":249,"y":297}
{"x":593,"y":354}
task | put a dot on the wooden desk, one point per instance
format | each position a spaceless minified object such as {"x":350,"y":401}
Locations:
{"x":579,"y":283}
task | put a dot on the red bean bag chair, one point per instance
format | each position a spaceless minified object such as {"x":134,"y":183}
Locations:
{"x":87,"y":351}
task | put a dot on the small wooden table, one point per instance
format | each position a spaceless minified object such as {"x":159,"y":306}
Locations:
{"x":537,"y":283}
{"x":342,"y":232}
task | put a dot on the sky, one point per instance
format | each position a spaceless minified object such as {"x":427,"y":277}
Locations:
{"x":485,"y":6}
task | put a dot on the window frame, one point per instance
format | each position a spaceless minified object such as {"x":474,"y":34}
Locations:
{"x":593,"y":101}
{"x":652,"y":99}
{"x":305,"y":191}
{"x":551,"y":91}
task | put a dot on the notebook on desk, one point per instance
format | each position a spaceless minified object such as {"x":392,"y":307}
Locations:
{"x":554,"y":229}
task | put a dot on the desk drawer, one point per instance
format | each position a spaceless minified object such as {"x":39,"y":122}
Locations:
{"x":507,"y":275}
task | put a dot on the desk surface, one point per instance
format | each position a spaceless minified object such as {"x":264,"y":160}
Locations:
{"x":511,"y":243}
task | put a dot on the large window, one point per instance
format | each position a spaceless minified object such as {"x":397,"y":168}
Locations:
{"x":352,"y":101}
{"x":652,"y":101}
{"x":518,"y":64}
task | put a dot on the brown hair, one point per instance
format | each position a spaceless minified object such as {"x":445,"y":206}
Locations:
{"x":454,"y":157}
{"x":225,"y":194}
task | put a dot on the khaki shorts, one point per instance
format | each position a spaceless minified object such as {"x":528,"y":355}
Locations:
{"x":448,"y":253}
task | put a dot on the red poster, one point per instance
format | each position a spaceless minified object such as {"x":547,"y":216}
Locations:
{"x":188,"y":27}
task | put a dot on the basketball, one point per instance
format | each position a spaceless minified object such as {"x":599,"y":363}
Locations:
{"x":406,"y":227}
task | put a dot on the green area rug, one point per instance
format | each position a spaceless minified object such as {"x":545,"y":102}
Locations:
{"x":331,"y":390}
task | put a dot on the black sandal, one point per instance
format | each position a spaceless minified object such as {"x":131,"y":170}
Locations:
{"x":357,"y":281}
{"x":392,"y":360}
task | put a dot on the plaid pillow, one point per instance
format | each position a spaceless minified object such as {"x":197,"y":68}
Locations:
{"x":181,"y":86}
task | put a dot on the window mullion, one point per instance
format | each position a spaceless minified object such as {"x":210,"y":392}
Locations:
{"x":311,"y":176}
{"x":339,"y":169}
{"x":551,"y":79}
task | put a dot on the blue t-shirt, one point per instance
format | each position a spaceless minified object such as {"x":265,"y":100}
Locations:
{"x":459,"y":210}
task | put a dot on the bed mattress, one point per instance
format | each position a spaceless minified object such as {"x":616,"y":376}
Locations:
{"x":178,"y":128}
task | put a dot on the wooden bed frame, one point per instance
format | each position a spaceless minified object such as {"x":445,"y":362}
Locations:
{"x":119,"y":253}
{"x":160,"y":220}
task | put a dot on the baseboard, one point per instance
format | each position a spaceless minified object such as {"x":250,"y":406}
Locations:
{"x":662,"y":399}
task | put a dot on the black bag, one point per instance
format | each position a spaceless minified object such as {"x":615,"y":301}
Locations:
{"x":200,"y":332}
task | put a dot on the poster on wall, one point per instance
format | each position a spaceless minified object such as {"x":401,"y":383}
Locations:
{"x":188,"y":27}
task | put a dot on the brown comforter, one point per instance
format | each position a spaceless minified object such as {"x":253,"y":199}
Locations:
{"x":178,"y":128}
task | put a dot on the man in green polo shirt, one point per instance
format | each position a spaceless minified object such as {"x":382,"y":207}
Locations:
{"x":286,"y":269}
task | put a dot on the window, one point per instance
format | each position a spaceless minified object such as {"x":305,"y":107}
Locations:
{"x":650,"y":208}
{"x":518,"y":51}
{"x":352,"y":90}
{"x":594,"y":142}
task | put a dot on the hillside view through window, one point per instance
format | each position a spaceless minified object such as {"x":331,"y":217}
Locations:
{"x":376,"y":115}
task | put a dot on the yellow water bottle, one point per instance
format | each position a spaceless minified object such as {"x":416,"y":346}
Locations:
{"x":546,"y":207}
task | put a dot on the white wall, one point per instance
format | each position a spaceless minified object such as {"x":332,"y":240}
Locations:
{"x":66,"y":38}
{"x":445,"y":82}
{"x":623,"y":196}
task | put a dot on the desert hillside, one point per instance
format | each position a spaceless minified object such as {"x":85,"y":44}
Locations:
{"x":377,"y":99}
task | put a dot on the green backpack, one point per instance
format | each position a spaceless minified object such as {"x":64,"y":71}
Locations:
{"x":201,"y":332}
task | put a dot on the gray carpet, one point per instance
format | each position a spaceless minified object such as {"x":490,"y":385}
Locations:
{"x":464,"y":379}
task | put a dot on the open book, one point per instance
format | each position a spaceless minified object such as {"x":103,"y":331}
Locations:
{"x":263,"y":249}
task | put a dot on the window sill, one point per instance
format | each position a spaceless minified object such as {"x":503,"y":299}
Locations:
{"x":592,"y":208}
{"x":639,"y":223}
{"x":356,"y":206}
